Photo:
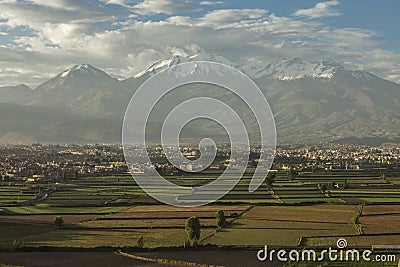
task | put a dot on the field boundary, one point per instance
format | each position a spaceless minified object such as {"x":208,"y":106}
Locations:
{"x":229,"y":222}
{"x":163,"y":261}
{"x":357,"y":223}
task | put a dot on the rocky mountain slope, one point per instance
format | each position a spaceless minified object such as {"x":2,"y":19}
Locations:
{"x":311,"y":102}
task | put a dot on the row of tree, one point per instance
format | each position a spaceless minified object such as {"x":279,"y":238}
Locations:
{"x":193,"y":228}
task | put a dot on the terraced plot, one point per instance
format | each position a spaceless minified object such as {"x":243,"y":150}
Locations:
{"x":356,"y":241}
{"x":286,"y":225}
{"x":380,"y":224}
{"x":89,"y":238}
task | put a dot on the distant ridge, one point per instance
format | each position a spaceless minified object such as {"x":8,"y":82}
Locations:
{"x":312,"y":102}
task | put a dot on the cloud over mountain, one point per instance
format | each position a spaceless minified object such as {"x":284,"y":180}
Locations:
{"x":124,"y":37}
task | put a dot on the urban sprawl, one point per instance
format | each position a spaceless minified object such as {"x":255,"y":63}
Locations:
{"x":57,"y":162}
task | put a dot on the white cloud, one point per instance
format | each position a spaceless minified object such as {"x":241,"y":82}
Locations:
{"x":58,"y":4}
{"x":224,"y":18}
{"x":112,"y":38}
{"x":117,"y":2}
{"x":322,"y":9}
{"x":211,"y":3}
{"x":36,"y":13}
{"x":232,"y":15}
{"x":166,"y":6}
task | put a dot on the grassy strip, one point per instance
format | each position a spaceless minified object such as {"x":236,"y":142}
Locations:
{"x":227,"y":223}
{"x":274,"y":195}
{"x":7,"y":265}
{"x":163,"y":261}
{"x":49,"y":210}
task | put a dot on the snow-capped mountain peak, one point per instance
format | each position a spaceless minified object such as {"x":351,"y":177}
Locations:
{"x":83,"y":73}
{"x":82,"y":69}
{"x":286,"y":70}
{"x":296,"y":68}
{"x":204,"y":56}
{"x":162,"y":64}
{"x":177,"y":59}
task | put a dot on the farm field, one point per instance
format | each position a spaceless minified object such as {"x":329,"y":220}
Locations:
{"x":92,"y":238}
{"x":112,"y":211}
{"x":11,"y":231}
{"x":159,"y":225}
{"x":357,"y":241}
{"x":287,"y":225}
{"x":376,"y":219}
{"x":48,"y":209}
{"x":45,"y":219}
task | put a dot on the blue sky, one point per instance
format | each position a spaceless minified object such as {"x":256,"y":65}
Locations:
{"x":40,"y":38}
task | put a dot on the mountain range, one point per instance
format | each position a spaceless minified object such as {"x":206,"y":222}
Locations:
{"x":312,"y":102}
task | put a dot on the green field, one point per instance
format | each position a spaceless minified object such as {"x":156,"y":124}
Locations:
{"x":89,"y":238}
{"x":286,"y":225}
{"x":113,"y":211}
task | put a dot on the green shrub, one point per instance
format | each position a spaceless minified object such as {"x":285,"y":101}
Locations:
{"x":221,"y":220}
{"x":140,"y":242}
{"x":59,"y":221}
{"x":193,"y":229}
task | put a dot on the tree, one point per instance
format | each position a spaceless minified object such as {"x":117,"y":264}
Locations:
{"x":193,"y":229}
{"x":221,"y":220}
{"x":59,"y":221}
{"x":270,"y":179}
{"x":346,"y":184}
{"x":292,"y":174}
{"x":323,"y":187}
{"x":140,"y":242}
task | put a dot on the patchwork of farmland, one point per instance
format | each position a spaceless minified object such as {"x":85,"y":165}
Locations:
{"x":112,"y":211}
{"x":158,"y":224}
